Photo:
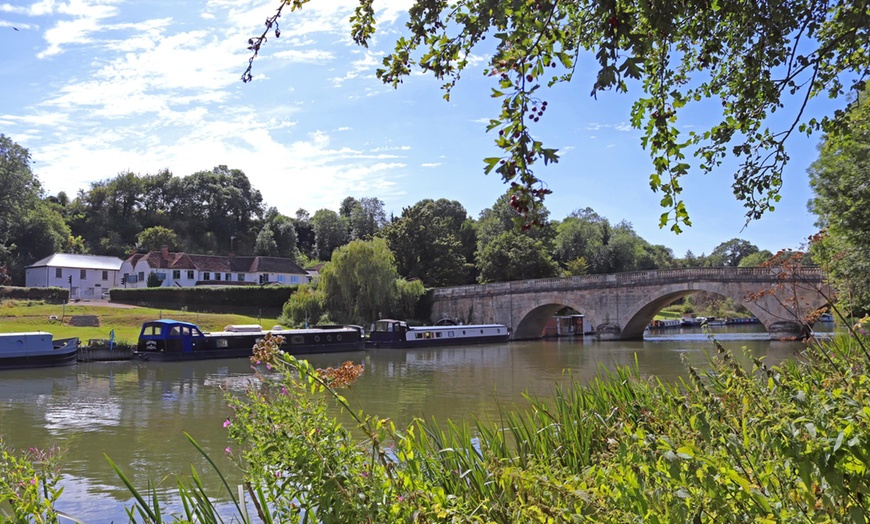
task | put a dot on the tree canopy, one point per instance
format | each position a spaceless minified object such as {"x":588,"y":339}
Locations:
{"x":752,"y":58}
{"x":839,"y":179}
{"x":30,"y":227}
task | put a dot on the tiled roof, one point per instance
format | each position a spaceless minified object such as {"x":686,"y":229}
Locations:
{"x":219,"y":264}
{"x":79,"y":262}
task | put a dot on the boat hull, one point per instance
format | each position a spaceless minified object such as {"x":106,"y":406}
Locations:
{"x":444,"y":342}
{"x":245,"y":351}
{"x":32,"y":350}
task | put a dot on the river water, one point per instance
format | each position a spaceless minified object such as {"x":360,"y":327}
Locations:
{"x":136,"y":413}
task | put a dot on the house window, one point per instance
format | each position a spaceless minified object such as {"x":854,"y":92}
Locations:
{"x":190,"y":275}
{"x":176,"y":274}
{"x":58,"y":273}
{"x":240,"y":277}
{"x":142,"y":276}
{"x":206,"y":276}
{"x":280,"y":278}
{"x":228,"y":277}
{"x":105,"y":275}
{"x":83,"y":274}
{"x":217,"y":276}
{"x":294,"y":279}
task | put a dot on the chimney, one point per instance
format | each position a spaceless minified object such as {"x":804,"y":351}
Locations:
{"x":164,"y":250}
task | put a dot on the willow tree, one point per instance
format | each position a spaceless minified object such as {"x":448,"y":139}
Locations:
{"x":359,"y":283}
{"x":753,"y":57}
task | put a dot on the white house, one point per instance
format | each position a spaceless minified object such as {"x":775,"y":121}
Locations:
{"x":86,"y":276}
{"x":185,"y":270}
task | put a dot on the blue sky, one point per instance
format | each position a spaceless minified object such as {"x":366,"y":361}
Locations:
{"x":98,"y":87}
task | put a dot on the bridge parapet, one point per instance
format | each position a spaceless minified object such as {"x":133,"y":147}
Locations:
{"x":653,"y":277}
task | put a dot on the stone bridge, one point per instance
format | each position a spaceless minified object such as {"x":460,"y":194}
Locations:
{"x":620,"y":306}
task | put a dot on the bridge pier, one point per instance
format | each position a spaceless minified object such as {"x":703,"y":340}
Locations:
{"x":608,"y":332}
{"x":787,"y":330}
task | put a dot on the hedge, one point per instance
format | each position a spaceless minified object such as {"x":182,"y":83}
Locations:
{"x":49,"y":294}
{"x":208,"y":299}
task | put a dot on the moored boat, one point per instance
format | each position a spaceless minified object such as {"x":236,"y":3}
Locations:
{"x":166,"y":339}
{"x":35,"y":350}
{"x":388,"y":333}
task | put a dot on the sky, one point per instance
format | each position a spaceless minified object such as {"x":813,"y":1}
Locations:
{"x":94,"y":88}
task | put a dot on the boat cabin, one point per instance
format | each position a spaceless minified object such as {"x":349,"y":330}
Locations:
{"x":169,"y":335}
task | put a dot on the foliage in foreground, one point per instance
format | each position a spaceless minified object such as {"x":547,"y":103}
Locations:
{"x":738,"y":62}
{"x":784,"y":444}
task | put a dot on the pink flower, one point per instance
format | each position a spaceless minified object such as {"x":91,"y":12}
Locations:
{"x":228,"y":450}
{"x":226,"y":423}
{"x":283,"y":390}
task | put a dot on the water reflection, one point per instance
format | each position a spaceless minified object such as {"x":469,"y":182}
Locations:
{"x":137,"y":412}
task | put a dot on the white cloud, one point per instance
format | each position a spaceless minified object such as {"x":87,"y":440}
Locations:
{"x":86,"y":21}
{"x":304,"y":56}
{"x":18,"y":26}
{"x":430,"y":164}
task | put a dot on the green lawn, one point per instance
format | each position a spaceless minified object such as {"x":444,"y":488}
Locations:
{"x":19,"y":316}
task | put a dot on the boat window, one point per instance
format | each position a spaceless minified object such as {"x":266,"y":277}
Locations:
{"x":317,"y":338}
{"x":175,"y":331}
{"x":438,"y":334}
{"x":338,"y":337}
{"x":297,"y":339}
{"x":418,"y":335}
{"x":481,"y":332}
{"x":463,"y":331}
{"x":450,"y":334}
{"x":220,"y":343}
{"x":329,"y":338}
{"x":153,"y":330}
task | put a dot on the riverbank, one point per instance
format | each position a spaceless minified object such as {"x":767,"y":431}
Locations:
{"x":104,"y":319}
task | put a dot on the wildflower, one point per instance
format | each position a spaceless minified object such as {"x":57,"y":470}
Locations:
{"x":228,"y":450}
{"x":227,"y":423}
{"x":283,"y":390}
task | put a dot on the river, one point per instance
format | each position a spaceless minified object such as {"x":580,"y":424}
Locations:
{"x":137,"y":412}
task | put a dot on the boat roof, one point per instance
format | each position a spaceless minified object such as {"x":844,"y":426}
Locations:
{"x":168,"y":321}
{"x":458,"y":326}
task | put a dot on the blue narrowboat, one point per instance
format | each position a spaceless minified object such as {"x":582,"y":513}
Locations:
{"x":166,"y":339}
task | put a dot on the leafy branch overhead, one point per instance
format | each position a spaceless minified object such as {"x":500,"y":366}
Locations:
{"x":752,"y":57}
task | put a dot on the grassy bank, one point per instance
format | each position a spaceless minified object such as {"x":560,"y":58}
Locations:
{"x":19,"y":316}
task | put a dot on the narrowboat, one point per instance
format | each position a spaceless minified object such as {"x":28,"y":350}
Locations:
{"x":170,"y":340}
{"x":36,"y":350}
{"x":388,"y":333}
